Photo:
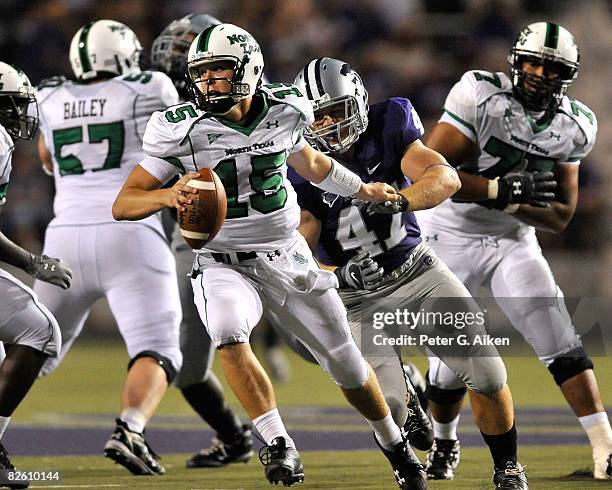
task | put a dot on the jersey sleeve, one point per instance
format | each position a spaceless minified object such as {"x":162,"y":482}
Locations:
{"x":402,"y":123}
{"x":159,"y":145}
{"x":461,"y":106}
{"x":584,"y":139}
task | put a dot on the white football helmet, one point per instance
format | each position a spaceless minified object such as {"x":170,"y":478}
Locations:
{"x":552,"y":46}
{"x":18,"y":107}
{"x":104,"y":47}
{"x":334,"y":89}
{"x":169,"y":50}
{"x":224,"y":42}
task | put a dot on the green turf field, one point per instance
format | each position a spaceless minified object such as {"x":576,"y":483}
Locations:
{"x":89,"y":381}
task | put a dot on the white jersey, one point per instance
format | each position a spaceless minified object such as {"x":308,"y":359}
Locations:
{"x":262,"y":209}
{"x":94,"y":134}
{"x":6,"y":153}
{"x":482,"y":107}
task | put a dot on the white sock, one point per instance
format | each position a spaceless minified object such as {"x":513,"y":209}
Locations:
{"x":4,"y":421}
{"x":134,"y":419}
{"x":386,"y":431}
{"x":446,"y":431}
{"x":270,"y":426}
{"x":597,"y":428}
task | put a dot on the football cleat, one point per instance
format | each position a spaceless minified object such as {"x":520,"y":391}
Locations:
{"x":129,"y":449}
{"x":417,"y":381}
{"x":603,"y":467}
{"x":282,"y":463}
{"x":220,"y":453}
{"x":512,"y":477}
{"x":8,"y":472}
{"x":442,"y":459}
{"x":409,"y":472}
{"x":418,"y":428}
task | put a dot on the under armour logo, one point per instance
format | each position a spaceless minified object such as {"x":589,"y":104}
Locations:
{"x":557,"y":136}
{"x":517,"y":188}
{"x":271,"y":256}
{"x":270,"y":124}
{"x":399,"y":478}
{"x":431,"y":238}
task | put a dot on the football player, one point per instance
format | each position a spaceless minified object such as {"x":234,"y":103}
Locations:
{"x":92,"y":131}
{"x":25,"y":323}
{"x":517,"y":141}
{"x":196,"y":380}
{"x":248,"y":133}
{"x":383,"y":143}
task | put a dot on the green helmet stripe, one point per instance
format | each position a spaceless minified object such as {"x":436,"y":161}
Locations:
{"x":204,"y":38}
{"x":83,"y":56}
{"x":552,"y":35}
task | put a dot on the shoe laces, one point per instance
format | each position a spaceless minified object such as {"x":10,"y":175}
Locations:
{"x":217,"y":447}
{"x":512,"y":471}
{"x":442,"y":453}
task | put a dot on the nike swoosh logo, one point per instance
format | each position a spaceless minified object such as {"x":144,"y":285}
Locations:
{"x":355,"y":278}
{"x":370,"y":171}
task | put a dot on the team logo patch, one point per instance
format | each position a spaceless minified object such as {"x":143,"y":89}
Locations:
{"x":329,"y":198}
{"x":299,"y":258}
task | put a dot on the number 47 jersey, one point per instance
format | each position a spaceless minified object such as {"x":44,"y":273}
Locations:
{"x":481,"y":105}
{"x":94,"y":134}
{"x":250,"y":160}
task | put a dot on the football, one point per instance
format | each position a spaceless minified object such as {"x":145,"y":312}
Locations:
{"x":203,"y":218}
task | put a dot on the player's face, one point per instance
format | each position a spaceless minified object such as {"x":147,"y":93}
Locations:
{"x":330,"y":116}
{"x":536,"y":68}
{"x":214,"y":77}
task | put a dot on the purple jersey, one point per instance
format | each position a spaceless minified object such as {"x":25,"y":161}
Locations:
{"x":345,"y":230}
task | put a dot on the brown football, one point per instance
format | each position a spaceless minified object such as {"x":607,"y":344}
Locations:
{"x":203,"y":218}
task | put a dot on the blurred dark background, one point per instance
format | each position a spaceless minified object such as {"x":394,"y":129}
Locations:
{"x":412,"y":48}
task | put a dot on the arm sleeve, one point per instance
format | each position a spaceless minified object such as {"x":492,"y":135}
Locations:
{"x":461,"y":106}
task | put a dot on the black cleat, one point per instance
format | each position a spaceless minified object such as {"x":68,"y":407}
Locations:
{"x":418,"y":428}
{"x":129,"y":449}
{"x":442,"y":459}
{"x":282,"y":463}
{"x":8,"y":473}
{"x":417,"y":381}
{"x":512,"y":477}
{"x":220,"y":453}
{"x":409,"y":472}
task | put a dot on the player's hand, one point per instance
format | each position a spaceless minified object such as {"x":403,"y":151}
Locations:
{"x":386,"y":207}
{"x":360,"y":272}
{"x":181,"y":194}
{"x":533,"y":188}
{"x":50,"y":270}
{"x":377,"y":192}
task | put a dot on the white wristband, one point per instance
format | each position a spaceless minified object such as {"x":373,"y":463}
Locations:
{"x":340,"y":180}
{"x":493,"y":189}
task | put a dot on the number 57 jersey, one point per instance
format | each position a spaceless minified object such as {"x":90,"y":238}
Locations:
{"x":250,"y":160}
{"x":94,"y":134}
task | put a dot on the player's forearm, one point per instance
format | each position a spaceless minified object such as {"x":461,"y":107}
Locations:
{"x":553,"y":218}
{"x":473,"y":188}
{"x":437,"y":184}
{"x":13,"y":254}
{"x":134,"y":204}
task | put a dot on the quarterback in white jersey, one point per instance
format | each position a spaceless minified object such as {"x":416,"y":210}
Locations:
{"x":248,"y":134}
{"x":92,"y":131}
{"x":24,"y":322}
{"x":518,"y":142}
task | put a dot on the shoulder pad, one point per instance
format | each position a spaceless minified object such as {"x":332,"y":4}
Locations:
{"x":143,"y":81}
{"x":285,"y":93}
{"x":582,"y":116}
{"x":485,"y":84}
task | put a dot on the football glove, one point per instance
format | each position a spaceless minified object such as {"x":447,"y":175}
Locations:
{"x":360,"y":272}
{"x":386,"y":207}
{"x":50,"y":270}
{"x":533,"y":188}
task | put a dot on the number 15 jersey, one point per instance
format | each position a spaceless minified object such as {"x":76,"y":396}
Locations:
{"x":250,"y":160}
{"x":94,"y":134}
{"x":481,"y":105}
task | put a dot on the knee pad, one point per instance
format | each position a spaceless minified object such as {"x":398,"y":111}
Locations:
{"x":569,"y":365}
{"x":442,"y":396}
{"x":163,"y":362}
{"x":346,"y":365}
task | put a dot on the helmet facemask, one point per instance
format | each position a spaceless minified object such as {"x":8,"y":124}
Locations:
{"x":347,"y":125}
{"x":19,"y":115}
{"x":213,"y":100}
{"x":538,"y":93}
